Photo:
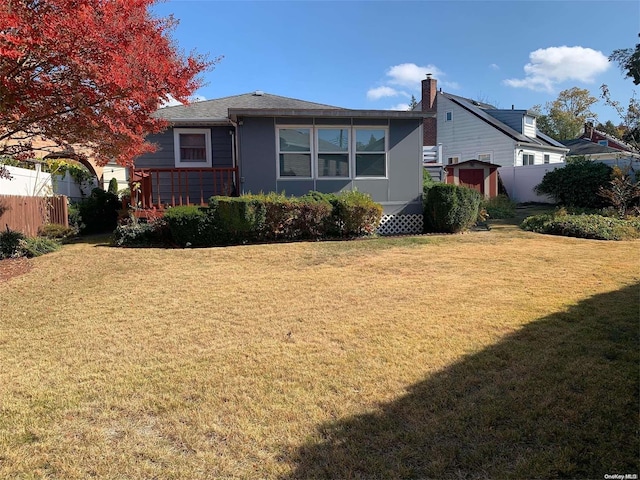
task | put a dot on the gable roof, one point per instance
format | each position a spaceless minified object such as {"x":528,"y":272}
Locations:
{"x":584,"y":146}
{"x":590,"y":130}
{"x":217,"y":110}
{"x":483,"y":114}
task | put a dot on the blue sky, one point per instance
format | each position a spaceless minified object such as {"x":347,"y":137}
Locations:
{"x":372,"y":54}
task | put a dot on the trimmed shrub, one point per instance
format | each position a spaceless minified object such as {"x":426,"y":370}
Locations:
{"x":36,"y":246}
{"x":56,"y":231}
{"x":357,"y":214}
{"x":577,"y":184}
{"x":113,"y":186}
{"x":99,"y":212}
{"x":191,"y":226}
{"x":136,"y":233}
{"x":450,"y":208}
{"x":239,"y":219}
{"x":10,"y":243}
{"x":594,"y":227}
{"x":499,"y":207}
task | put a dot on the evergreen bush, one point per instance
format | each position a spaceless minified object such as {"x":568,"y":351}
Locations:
{"x":99,"y":212}
{"x":577,"y":184}
{"x":113,"y":186}
{"x":239,"y":219}
{"x":450,"y":208}
{"x":191,"y":225}
{"x":10,"y":241}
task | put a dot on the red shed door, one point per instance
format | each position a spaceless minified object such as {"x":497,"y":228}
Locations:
{"x":472,"y":178}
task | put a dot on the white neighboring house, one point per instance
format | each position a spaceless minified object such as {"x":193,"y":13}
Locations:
{"x":120,"y":173}
{"x":471,"y":130}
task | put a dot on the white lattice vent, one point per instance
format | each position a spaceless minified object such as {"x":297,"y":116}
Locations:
{"x":400,"y":224}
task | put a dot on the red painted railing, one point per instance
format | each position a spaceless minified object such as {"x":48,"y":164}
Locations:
{"x":164,"y":187}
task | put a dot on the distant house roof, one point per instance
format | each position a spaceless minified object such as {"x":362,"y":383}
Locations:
{"x":223,"y":110}
{"x":594,"y":135}
{"x":583,"y":146}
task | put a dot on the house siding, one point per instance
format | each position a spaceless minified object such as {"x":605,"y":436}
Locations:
{"x":467,"y":136}
{"x":400,"y":192}
{"x":164,"y":156}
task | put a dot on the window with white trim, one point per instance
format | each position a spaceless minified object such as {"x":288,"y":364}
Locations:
{"x":192,"y":147}
{"x":332,"y":152}
{"x":452,"y":160}
{"x":294,"y":152}
{"x":528,"y":158}
{"x":547,"y":158}
{"x":371,"y":159}
{"x":484,"y":157}
{"x":528,"y":120}
{"x":448,"y":116}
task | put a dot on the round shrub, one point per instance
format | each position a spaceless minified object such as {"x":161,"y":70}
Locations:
{"x":577,"y":184}
{"x":137,"y":233}
{"x":450,"y":208}
{"x":10,"y":243}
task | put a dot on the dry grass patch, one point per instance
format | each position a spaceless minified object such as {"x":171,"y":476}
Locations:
{"x":297,"y":360}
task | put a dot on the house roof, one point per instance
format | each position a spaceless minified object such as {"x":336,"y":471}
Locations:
{"x":583,"y":146}
{"x":217,"y":110}
{"x":476,"y":109}
{"x":589,"y":130}
{"x":223,"y":110}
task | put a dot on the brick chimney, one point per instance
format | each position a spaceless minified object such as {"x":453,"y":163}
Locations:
{"x":429,"y":91}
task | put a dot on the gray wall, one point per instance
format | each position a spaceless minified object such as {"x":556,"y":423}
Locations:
{"x":221,"y":149}
{"x":400,"y":192}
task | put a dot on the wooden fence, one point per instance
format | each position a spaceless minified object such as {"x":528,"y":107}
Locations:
{"x":27,"y":214}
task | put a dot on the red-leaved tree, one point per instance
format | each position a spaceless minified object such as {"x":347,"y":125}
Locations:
{"x":88,"y":73}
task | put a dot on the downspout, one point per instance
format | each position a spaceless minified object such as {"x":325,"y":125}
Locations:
{"x":234,"y":154}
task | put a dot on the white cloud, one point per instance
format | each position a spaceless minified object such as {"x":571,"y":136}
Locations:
{"x":172,"y":102}
{"x":381,"y":92}
{"x":400,"y":106}
{"x":494,"y":66}
{"x":410,"y":75}
{"x":550,"y":66}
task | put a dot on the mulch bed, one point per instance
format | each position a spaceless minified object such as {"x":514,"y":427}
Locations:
{"x":12,"y":267}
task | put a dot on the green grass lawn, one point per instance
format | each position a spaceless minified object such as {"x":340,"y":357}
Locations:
{"x":498,"y":354}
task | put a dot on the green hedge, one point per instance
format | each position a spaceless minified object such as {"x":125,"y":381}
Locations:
{"x":590,"y":226}
{"x":258,"y":218}
{"x":191,"y":226}
{"x":238,"y":219}
{"x":450,"y":208}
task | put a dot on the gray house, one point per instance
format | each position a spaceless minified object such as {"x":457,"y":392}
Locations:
{"x":258,"y":142}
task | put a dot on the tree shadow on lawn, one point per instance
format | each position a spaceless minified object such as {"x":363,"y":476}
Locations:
{"x":557,"y":399}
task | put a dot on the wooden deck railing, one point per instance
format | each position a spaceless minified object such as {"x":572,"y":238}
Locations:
{"x":163,"y":187}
